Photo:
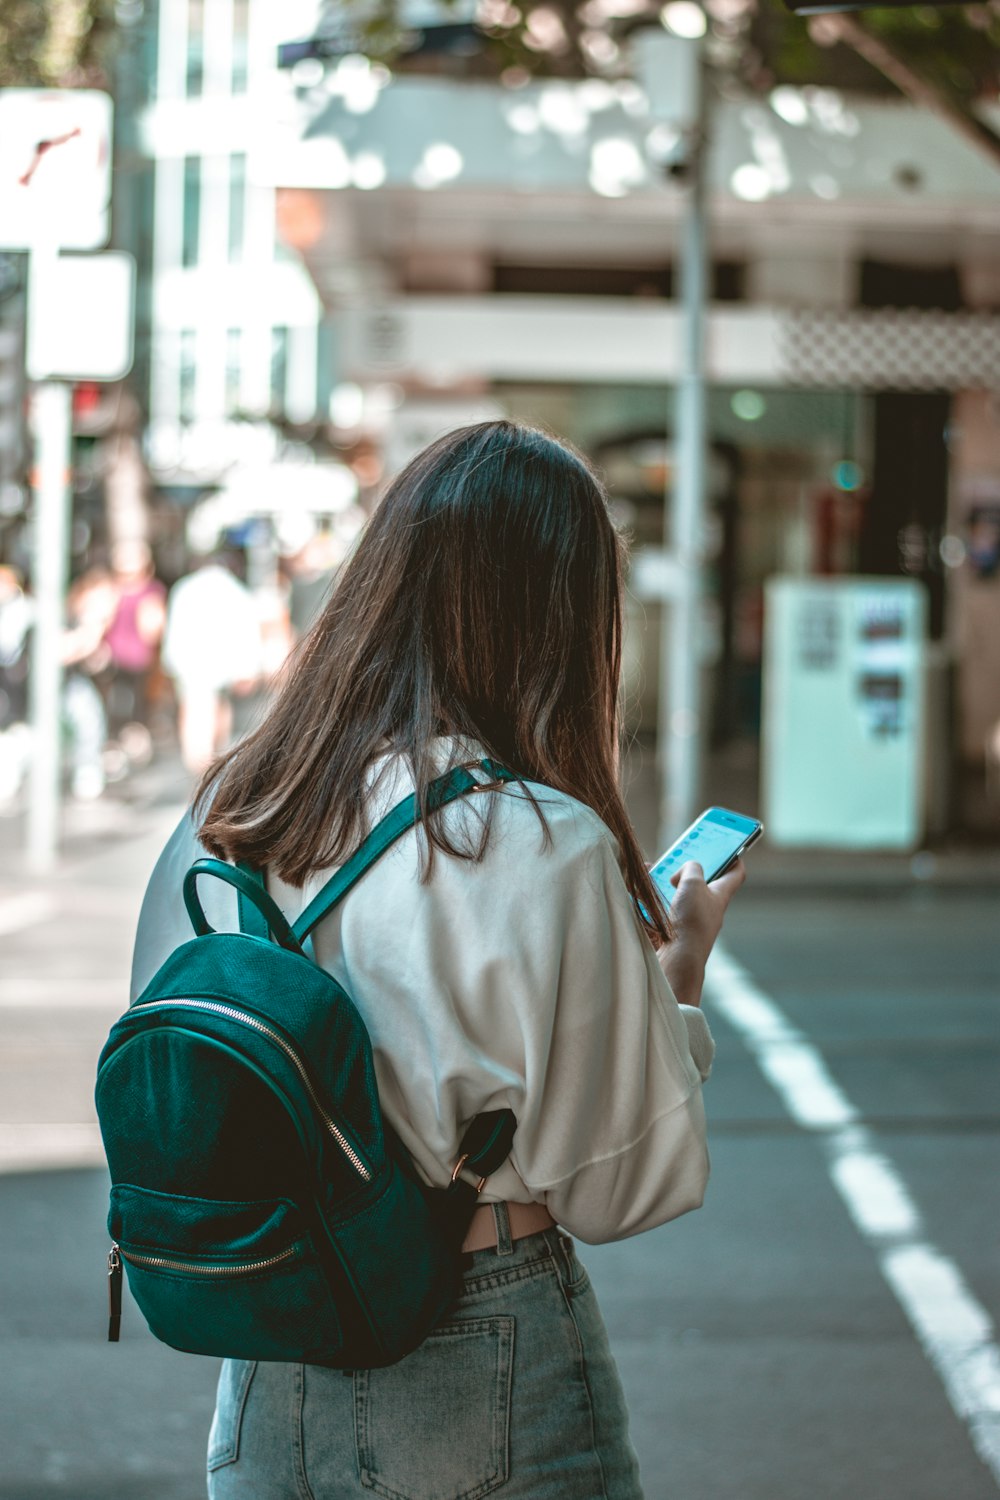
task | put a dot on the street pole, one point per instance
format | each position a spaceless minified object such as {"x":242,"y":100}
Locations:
{"x":51,"y":411}
{"x":681,"y":732}
{"x":62,"y":148}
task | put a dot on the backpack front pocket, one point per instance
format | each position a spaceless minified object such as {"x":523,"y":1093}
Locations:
{"x":236,"y":1280}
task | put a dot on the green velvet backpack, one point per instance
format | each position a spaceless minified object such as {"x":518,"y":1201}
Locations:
{"x":260,"y":1204}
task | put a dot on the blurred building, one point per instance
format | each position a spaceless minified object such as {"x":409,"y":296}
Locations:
{"x":341,"y":255}
{"x":236,"y":352}
{"x":489,"y":247}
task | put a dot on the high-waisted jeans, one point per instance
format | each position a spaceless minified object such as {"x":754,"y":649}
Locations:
{"x":515,"y":1394}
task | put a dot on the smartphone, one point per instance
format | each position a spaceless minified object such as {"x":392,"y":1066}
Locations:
{"x":715,"y":840}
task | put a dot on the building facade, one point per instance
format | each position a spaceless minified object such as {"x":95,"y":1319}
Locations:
{"x":482,"y":247}
{"x":336,"y":248}
{"x":235,"y":321}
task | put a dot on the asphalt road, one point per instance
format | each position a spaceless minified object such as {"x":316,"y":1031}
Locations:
{"x":766,"y":1352}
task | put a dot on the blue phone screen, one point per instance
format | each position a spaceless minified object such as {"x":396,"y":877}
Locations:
{"x":712,"y":840}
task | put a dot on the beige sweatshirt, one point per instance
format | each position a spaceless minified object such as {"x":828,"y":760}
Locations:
{"x":523,"y":980}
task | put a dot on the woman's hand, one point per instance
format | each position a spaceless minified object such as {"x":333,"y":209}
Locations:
{"x":696,"y":915}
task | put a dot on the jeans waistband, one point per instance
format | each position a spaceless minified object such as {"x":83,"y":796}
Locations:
{"x":494,"y":1226}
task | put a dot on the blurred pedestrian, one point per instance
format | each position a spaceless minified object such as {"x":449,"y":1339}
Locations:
{"x":15,"y":627}
{"x":211,"y":648}
{"x":133,"y":640}
{"x":90,"y":607}
{"x":311,"y":569}
{"x":513,"y":953}
{"x":15,"y":623}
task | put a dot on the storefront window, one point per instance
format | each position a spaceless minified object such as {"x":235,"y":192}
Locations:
{"x":787,"y":480}
{"x":279,"y":368}
{"x":234,"y":369}
{"x":237,"y":206}
{"x":241,"y":21}
{"x":188,"y":374}
{"x":195,"y":81}
{"x":191,"y":229}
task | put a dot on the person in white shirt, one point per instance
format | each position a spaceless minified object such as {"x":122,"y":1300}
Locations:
{"x":512,"y":952}
{"x":211,"y":645}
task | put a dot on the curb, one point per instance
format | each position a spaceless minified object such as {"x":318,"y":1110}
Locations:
{"x":861,"y":872}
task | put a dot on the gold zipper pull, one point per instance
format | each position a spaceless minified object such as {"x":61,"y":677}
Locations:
{"x":114,"y":1293}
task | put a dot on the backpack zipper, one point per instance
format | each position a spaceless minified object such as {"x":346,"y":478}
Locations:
{"x":238,"y":1015}
{"x":162,"y":1263}
{"x":114,"y":1293}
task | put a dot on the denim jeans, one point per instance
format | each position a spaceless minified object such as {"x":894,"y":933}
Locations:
{"x":515,"y":1394}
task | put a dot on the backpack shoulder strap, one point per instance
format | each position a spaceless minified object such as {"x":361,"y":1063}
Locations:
{"x":252,"y":919}
{"x":403,"y":817}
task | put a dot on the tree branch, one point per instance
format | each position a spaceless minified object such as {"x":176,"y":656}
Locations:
{"x":838,"y":27}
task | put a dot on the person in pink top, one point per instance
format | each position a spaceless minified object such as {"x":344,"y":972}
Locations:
{"x":135,"y":631}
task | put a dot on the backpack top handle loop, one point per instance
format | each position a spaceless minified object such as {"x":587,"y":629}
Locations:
{"x":247,"y":888}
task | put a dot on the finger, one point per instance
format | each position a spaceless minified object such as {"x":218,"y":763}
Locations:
{"x":727,"y":885}
{"x":688,"y":872}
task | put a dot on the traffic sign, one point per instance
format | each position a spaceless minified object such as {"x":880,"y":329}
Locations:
{"x":80,"y":318}
{"x":55,"y":168}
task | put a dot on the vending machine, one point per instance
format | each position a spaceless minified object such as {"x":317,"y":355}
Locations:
{"x":842,"y":761}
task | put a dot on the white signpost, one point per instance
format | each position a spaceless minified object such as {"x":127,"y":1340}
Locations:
{"x":55,"y":195}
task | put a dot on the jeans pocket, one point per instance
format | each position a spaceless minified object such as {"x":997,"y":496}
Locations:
{"x":575,"y":1278}
{"x":436,"y":1426}
{"x":224,"y":1437}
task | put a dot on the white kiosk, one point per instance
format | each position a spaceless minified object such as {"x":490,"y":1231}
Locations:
{"x":843,"y":712}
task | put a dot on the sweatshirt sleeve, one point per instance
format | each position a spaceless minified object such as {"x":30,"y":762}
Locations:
{"x":612,"y":1135}
{"x":700,"y":1039}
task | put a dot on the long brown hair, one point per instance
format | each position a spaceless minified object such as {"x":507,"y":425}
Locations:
{"x":484,"y":603}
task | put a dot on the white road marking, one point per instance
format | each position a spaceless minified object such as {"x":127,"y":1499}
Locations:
{"x":953,"y":1328}
{"x":810,"y":1094}
{"x":868,"y":1184}
{"x":24,"y":910}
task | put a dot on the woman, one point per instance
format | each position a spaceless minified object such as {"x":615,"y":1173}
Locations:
{"x":514,"y":954}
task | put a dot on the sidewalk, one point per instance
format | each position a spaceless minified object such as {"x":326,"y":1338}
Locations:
{"x":862,"y":870}
{"x":89,"y":827}
{"x":66,"y":953}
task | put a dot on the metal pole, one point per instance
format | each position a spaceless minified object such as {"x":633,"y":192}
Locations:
{"x":51,"y":408}
{"x":680,"y":721}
